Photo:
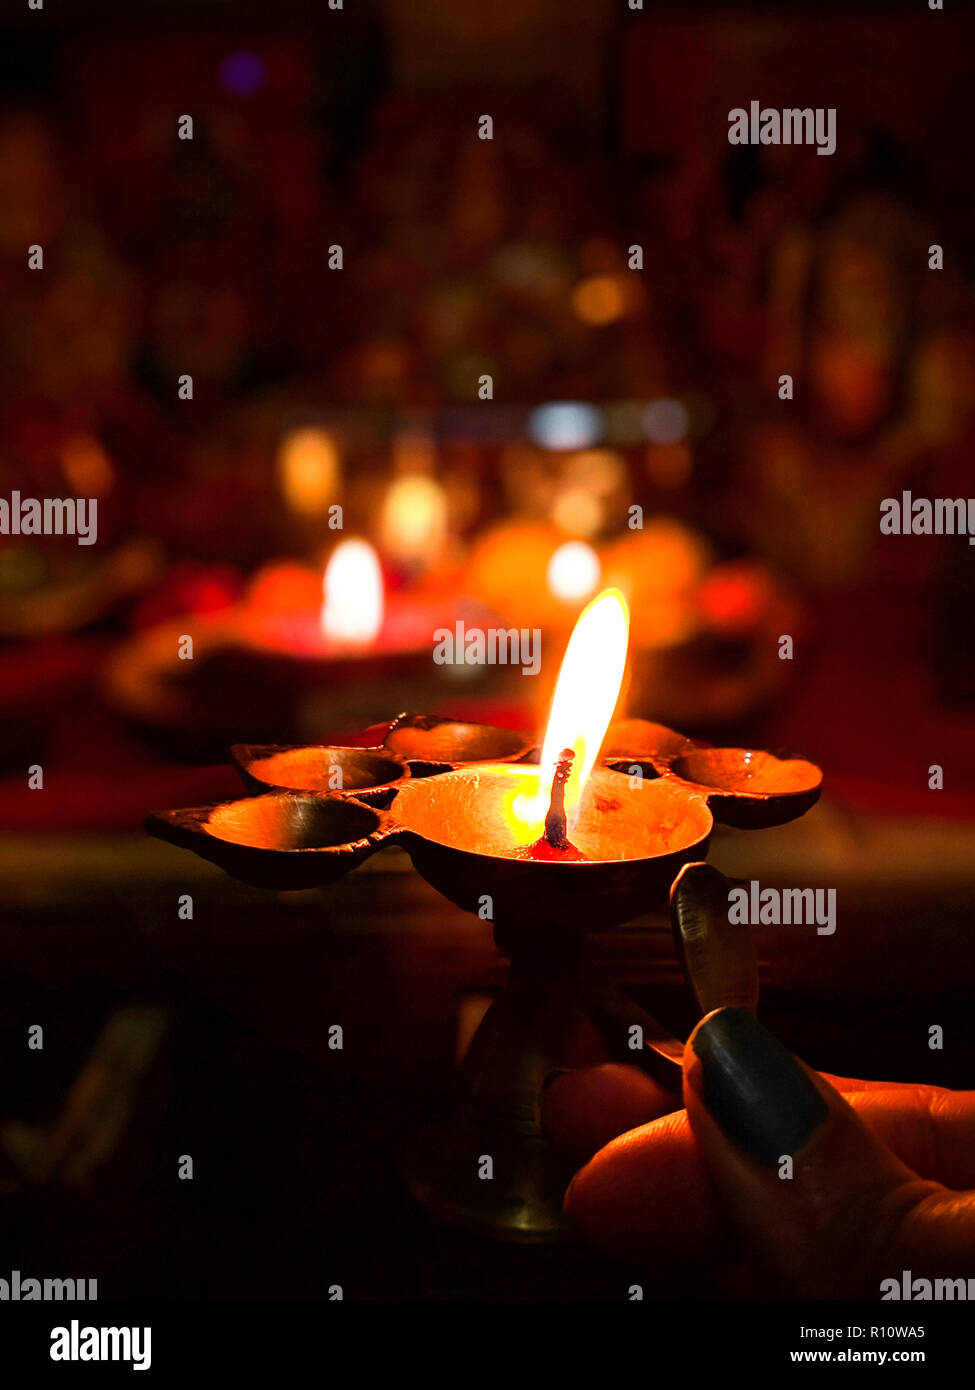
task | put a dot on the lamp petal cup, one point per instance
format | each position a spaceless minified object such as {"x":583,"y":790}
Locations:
{"x":748,"y":788}
{"x":454,"y":816}
{"x":435,"y":739}
{"x":415,"y":745}
{"x":639,"y":740}
{"x":282,"y":840}
{"x":318,"y":768}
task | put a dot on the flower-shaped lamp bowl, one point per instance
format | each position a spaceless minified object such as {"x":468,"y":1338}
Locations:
{"x":445,"y":790}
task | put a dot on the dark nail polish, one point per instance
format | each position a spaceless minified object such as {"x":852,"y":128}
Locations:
{"x":754,"y":1088}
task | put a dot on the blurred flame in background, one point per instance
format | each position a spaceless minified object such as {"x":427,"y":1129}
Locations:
{"x":354,"y":602}
{"x":573,"y":571}
{"x":413,"y":524}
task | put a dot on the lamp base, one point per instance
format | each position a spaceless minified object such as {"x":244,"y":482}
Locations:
{"x":489,"y":1168}
{"x":518,"y":1198}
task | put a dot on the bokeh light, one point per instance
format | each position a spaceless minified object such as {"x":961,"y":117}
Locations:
{"x":308,"y":470}
{"x":353,"y":599}
{"x":574,"y":571}
{"x":565,"y":425}
{"x":600,"y":299}
{"x":665,"y":421}
{"x":86,"y":466}
{"x":578,"y":511}
{"x":413,"y":525}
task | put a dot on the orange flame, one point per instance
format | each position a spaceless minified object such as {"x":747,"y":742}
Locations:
{"x":354,"y":600}
{"x":585,"y":697}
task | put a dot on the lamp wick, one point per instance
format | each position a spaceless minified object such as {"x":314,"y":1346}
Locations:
{"x":555,"y":820}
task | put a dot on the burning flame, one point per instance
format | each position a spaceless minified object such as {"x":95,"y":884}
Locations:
{"x":354,"y":602}
{"x":585,"y":698}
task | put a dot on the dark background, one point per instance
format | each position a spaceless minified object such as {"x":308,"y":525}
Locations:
{"x":461,"y":257}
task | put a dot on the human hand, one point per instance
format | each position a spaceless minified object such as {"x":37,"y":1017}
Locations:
{"x":774,"y":1179}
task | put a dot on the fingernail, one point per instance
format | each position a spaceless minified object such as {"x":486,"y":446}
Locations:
{"x":718,"y":956}
{"x":754,"y":1088}
{"x":697,"y":889}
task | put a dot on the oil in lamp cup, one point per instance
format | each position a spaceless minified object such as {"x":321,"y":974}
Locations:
{"x":627,"y":843}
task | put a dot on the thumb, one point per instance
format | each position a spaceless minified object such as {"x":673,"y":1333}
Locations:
{"x":818,"y":1203}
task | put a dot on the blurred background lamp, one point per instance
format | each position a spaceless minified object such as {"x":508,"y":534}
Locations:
{"x":353,"y":596}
